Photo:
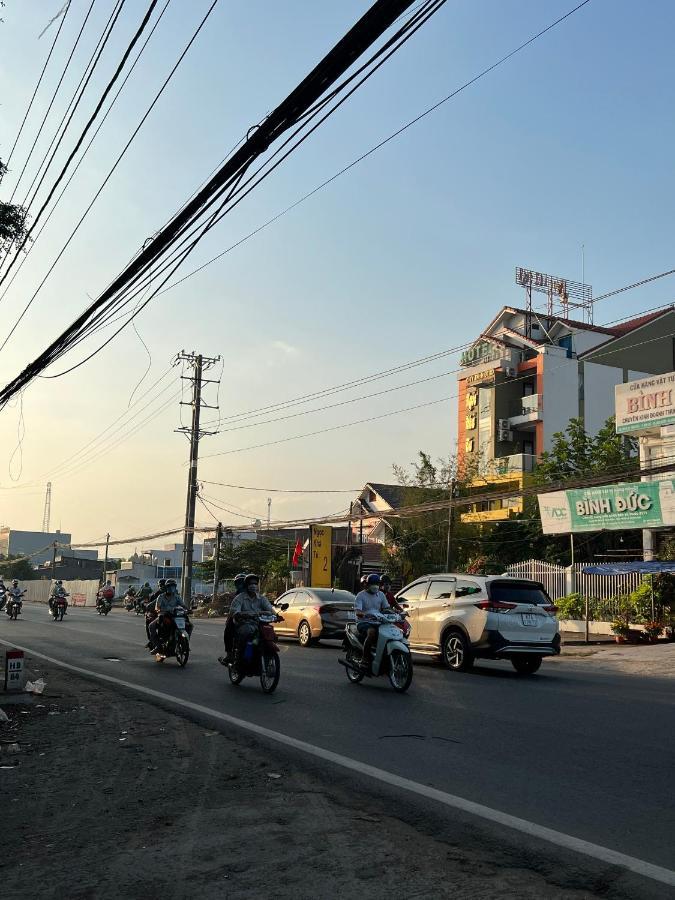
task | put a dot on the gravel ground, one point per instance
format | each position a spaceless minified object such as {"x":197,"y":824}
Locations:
{"x":112,"y":797}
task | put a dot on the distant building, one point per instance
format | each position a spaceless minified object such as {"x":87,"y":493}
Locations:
{"x":36,"y":544}
{"x":72,"y":568}
{"x":527,"y":374}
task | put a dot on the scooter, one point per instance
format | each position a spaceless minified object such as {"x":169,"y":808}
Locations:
{"x":173,"y":635}
{"x":391,"y":655}
{"x":14,"y":604}
{"x":260,"y":656}
{"x":103,"y":606}
{"x":59,"y":607}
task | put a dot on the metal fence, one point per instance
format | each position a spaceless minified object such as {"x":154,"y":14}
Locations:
{"x":562,"y":580}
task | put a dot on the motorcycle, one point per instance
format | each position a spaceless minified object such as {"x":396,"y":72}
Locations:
{"x":59,"y":607}
{"x":173,"y":635}
{"x":139,"y":606}
{"x":14,"y":604}
{"x":129,"y":602}
{"x":390,"y":655}
{"x":260,"y":657}
{"x":103,"y":606}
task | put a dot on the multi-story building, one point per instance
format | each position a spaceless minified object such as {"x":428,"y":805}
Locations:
{"x":36,"y":544}
{"x":527,"y":374}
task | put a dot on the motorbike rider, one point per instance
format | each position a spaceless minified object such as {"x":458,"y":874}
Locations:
{"x":166,"y":602}
{"x":58,"y":590}
{"x":144,"y":593}
{"x":3,"y":594}
{"x":245,"y":606}
{"x":228,"y":633}
{"x":15,"y":592}
{"x":366,"y":604}
{"x":107,"y":592}
{"x":151,"y":608}
{"x":385,"y":587}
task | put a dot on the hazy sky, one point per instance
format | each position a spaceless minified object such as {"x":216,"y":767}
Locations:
{"x":410,"y":253}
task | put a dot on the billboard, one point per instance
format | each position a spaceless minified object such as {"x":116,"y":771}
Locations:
{"x":646,"y":403}
{"x":614,"y":507}
{"x":321,"y":555}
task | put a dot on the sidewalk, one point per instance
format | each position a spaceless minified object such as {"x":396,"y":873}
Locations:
{"x":655,"y":660}
{"x":111,"y":797}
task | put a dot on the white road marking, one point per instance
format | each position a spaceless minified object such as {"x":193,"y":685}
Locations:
{"x":559,"y":838}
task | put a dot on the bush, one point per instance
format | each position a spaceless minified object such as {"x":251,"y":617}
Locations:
{"x":571,"y":607}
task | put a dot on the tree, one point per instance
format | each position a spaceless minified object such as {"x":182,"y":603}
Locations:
{"x":17,"y":567}
{"x":262,"y":557}
{"x":12,"y":220}
{"x":575,"y":453}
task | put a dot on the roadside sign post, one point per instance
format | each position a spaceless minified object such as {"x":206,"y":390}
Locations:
{"x":14,"y":676}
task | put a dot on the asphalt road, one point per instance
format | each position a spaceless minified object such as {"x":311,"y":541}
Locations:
{"x":581,"y":750}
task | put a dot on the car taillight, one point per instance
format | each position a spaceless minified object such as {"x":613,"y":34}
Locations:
{"x":550,"y":608}
{"x":494,"y":604}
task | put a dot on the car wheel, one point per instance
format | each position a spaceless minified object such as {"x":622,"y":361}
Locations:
{"x":456,"y":652}
{"x":526,"y":664}
{"x":305,"y":634}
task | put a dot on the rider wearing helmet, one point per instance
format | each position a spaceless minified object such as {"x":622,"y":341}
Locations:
{"x":167,"y":602}
{"x":58,"y":590}
{"x":3,"y":594}
{"x":228,"y":633}
{"x":15,"y":592}
{"x":246,"y":604}
{"x":367,"y":604}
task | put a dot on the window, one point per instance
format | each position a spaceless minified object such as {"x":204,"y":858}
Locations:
{"x":301,"y":598}
{"x":466,"y":588}
{"x":414,"y":592}
{"x":167,"y":562}
{"x":518,"y":592}
{"x":441,"y":590}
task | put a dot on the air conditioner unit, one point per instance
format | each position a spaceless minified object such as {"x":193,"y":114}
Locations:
{"x":502,"y":424}
{"x":503,"y":434}
{"x":510,"y":372}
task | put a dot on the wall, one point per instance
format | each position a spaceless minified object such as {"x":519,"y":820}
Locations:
{"x":82,"y":593}
{"x":25,"y":543}
{"x":599,"y":382}
{"x":560,"y":379}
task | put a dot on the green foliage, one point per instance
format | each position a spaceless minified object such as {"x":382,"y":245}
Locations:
{"x":573,"y":606}
{"x":17,"y":567}
{"x":268,"y":558}
{"x":575,"y":453}
{"x":12,"y":220}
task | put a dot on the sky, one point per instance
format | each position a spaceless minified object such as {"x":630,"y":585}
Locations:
{"x":410,"y":253}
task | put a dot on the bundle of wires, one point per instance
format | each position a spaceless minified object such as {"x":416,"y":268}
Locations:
{"x":316,"y":98}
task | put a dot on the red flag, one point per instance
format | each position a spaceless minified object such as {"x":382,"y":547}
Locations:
{"x":297,"y":553}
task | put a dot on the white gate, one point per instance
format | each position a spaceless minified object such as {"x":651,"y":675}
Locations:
{"x":554,"y":578}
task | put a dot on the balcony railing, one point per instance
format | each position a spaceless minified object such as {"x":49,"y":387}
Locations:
{"x":516,"y":463}
{"x":526,"y":406}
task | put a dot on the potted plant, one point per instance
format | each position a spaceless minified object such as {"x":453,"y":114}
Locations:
{"x":653,"y":630}
{"x":621,"y":630}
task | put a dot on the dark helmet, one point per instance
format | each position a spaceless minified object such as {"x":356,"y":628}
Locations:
{"x":251,"y":578}
{"x":373,"y":579}
{"x":385,"y":579}
{"x":59,"y":581}
{"x":162,"y":582}
{"x":15,"y":581}
{"x":240,"y":580}
{"x":147,"y":584}
{"x":171,"y":583}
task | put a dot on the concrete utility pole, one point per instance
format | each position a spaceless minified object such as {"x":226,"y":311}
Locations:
{"x":449,"y":540}
{"x":216,"y":561}
{"x":198,"y":364}
{"x":105,"y":562}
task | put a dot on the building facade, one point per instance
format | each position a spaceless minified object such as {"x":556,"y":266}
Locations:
{"x":528,"y":374}
{"x":36,"y":544}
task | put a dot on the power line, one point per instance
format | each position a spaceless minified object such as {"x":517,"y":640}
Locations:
{"x":365,"y":33}
{"x":242,"y":487}
{"x":39,"y":82}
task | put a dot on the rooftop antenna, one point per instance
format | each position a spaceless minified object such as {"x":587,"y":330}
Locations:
{"x":46,"y":515}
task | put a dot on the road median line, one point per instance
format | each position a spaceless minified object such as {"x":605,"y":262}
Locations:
{"x":558,"y":838}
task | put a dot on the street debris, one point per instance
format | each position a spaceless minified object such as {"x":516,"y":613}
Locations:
{"x":35,"y":687}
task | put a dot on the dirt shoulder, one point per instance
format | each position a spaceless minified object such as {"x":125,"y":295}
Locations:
{"x":109,"y":796}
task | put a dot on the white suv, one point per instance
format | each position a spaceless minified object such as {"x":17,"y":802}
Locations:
{"x":464,"y":617}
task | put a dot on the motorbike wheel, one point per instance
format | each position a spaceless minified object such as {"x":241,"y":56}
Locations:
{"x":400,"y":671}
{"x":236,"y":674}
{"x":354,"y":675}
{"x":15,"y":613}
{"x":182,"y":651}
{"x":270,"y":670}
{"x":60,"y":615}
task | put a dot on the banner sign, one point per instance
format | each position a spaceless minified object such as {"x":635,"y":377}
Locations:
{"x":616,"y":507}
{"x":647,"y":403}
{"x":321,"y":555}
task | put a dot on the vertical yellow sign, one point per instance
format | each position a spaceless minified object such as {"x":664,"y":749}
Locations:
{"x":321,"y":539}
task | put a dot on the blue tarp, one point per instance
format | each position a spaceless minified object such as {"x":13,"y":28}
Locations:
{"x":623,"y":568}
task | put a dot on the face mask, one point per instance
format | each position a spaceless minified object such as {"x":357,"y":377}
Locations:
{"x":373,"y":588}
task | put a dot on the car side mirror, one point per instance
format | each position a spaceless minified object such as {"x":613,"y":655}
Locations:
{"x":283,"y":607}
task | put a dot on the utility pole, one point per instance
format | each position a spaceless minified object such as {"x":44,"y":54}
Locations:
{"x":216,"y":561}
{"x":449,"y":540}
{"x":198,"y":363}
{"x":105,"y":562}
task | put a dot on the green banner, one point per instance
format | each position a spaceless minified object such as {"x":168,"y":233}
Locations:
{"x":616,"y":507}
